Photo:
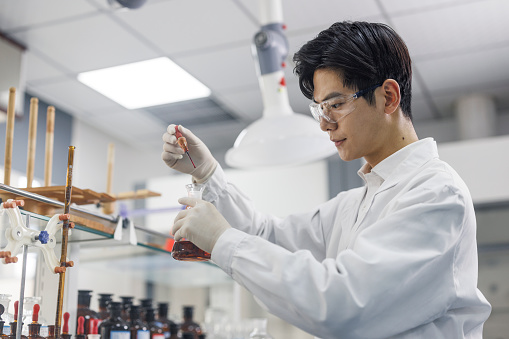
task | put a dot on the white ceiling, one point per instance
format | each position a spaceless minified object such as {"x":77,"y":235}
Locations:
{"x":458,"y":47}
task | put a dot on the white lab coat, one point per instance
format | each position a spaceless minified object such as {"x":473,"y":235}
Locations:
{"x":406,"y":267}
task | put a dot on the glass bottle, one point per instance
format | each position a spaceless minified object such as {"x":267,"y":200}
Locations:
{"x":115,"y":327}
{"x":84,"y":297}
{"x":104,"y":300}
{"x":51,"y":332}
{"x":189,"y":325}
{"x":5,"y":300}
{"x":145,"y":303}
{"x":174,"y":331}
{"x":156,"y":332}
{"x":65,"y":328}
{"x":34,"y":328}
{"x":28,"y":308}
{"x":2,"y":322}
{"x":126,"y":304}
{"x":138,"y":327}
{"x":185,"y":250}
{"x":260,"y":329}
{"x":14,"y":324}
{"x":163,"y":320}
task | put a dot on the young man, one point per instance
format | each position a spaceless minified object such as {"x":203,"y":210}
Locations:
{"x":396,"y":258}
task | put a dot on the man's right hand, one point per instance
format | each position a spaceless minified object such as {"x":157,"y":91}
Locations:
{"x":175,"y":157}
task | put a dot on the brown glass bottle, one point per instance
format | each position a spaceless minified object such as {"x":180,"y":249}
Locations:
{"x":51,"y":332}
{"x":104,"y":300}
{"x":156,"y":332}
{"x":189,"y":325}
{"x":174,"y":330}
{"x":34,"y":329}
{"x":2,"y":335}
{"x":14,"y":328}
{"x":162,"y":319}
{"x":115,"y":327}
{"x":139,"y":329}
{"x":126,"y":304}
{"x":84,"y":310}
{"x":185,"y":250}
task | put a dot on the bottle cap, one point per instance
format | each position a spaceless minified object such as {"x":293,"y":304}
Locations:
{"x":162,"y":309}
{"x":188,"y":311}
{"x":149,"y":315}
{"x":84,"y":297}
{"x":81,"y":325}
{"x":104,"y":299}
{"x":134,"y":311}
{"x":65,"y":328}
{"x":146,"y":303}
{"x":35,"y":315}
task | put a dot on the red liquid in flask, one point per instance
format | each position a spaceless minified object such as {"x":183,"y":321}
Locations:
{"x":185,"y":250}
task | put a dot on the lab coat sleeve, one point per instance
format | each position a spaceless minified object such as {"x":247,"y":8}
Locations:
{"x":301,"y":231}
{"x":398,"y":275}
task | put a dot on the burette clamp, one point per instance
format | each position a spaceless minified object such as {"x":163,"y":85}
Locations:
{"x":18,"y":235}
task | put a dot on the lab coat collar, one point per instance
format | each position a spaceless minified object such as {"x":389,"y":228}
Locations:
{"x":403,"y":161}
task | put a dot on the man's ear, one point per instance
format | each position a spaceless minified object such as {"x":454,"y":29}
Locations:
{"x":392,"y":95}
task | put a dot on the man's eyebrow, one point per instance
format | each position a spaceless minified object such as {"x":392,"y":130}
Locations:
{"x":330,"y":95}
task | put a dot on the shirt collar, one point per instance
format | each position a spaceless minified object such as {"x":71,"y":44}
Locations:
{"x":404,"y":156}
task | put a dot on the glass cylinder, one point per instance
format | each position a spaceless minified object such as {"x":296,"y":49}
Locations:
{"x":185,"y":250}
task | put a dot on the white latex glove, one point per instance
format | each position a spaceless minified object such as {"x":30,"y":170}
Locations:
{"x":177,"y":159}
{"x":202,"y":224}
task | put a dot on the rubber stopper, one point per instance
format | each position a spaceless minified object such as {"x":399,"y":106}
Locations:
{"x":16,"y":303}
{"x":65,"y":328}
{"x":35,"y":315}
{"x":81,"y":325}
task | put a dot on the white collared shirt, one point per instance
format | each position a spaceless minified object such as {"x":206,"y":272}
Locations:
{"x":396,"y":258}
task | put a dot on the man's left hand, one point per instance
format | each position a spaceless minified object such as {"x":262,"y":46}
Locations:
{"x":202,"y":224}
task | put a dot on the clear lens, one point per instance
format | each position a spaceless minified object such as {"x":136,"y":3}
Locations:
{"x":333,"y":109}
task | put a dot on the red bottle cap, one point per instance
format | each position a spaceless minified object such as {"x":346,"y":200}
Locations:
{"x":93,"y":326}
{"x":81,"y":323}
{"x":65,"y":329}
{"x":177,"y":132}
{"x":35,"y":315}
{"x":16,"y":303}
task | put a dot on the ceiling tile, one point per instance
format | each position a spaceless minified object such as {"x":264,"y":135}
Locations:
{"x":318,"y":14}
{"x":76,"y":97}
{"x":38,"y":70}
{"x":129,"y":125}
{"x":16,"y":15}
{"x":86,"y":44}
{"x":222,"y":69}
{"x":455,"y":29}
{"x":181,"y":25}
{"x":246,"y":104}
{"x":466,"y":72}
{"x":398,"y":6}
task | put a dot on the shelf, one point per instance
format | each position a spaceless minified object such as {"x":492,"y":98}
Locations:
{"x":92,"y":229}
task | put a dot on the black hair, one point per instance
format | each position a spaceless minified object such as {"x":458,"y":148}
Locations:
{"x":363,"y":54}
